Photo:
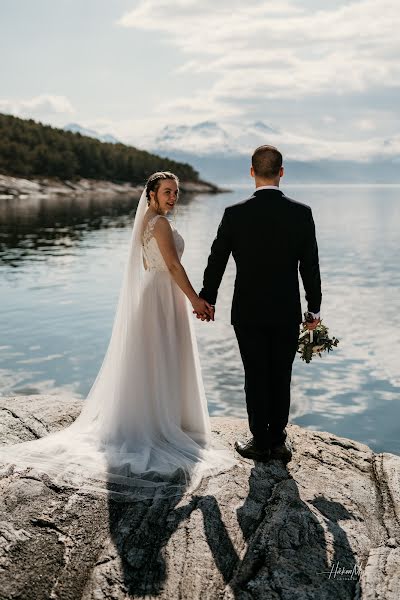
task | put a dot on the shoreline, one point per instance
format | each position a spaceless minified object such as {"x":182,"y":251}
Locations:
{"x":17,"y":188}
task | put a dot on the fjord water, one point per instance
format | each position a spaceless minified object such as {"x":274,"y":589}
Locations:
{"x":61,"y":264}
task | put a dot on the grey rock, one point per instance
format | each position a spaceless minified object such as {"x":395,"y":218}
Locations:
{"x":25,"y":418}
{"x":325,"y":526}
{"x":16,"y":188}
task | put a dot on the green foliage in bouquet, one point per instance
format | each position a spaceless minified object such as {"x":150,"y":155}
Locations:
{"x":315,"y":342}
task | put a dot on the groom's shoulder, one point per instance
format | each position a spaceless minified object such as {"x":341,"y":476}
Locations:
{"x":239,"y":206}
{"x":299,"y":206}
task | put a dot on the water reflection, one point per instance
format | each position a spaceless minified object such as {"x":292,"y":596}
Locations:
{"x":61,"y":263}
{"x":33,"y":228}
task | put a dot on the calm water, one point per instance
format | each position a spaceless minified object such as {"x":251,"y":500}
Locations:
{"x":60,"y":270}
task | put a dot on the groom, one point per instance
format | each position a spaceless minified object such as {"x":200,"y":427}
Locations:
{"x":270,"y":237}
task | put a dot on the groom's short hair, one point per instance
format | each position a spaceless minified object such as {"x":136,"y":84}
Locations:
{"x":266,"y":161}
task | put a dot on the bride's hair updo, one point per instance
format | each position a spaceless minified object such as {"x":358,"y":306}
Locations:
{"x":154,"y":182}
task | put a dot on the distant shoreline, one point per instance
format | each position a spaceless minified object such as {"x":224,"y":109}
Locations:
{"x":20,"y":188}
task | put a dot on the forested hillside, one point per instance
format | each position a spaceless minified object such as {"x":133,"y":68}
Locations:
{"x":30,"y":149}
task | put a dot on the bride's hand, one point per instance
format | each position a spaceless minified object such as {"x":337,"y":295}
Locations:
{"x":203,"y":309}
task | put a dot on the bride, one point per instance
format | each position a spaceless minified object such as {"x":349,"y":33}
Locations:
{"x":144,"y":428}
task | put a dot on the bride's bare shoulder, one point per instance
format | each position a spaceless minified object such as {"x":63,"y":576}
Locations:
{"x":162,"y":226}
{"x":150,"y":221}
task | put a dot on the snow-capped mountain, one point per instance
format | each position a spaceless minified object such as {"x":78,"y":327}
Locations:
{"x":209,"y":137}
{"x":103,"y":137}
{"x":221,"y":152}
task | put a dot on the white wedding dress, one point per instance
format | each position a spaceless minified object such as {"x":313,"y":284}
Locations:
{"x":144,"y":429}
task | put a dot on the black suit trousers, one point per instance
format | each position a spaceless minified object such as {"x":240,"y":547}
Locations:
{"x":268,"y":352}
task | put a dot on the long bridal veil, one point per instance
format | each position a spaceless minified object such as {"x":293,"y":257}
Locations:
{"x":119,"y":444}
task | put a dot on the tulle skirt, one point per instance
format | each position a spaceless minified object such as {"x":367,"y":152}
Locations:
{"x":149,"y":434}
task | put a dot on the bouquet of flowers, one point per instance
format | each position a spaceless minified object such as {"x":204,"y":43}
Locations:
{"x":314,"y":341}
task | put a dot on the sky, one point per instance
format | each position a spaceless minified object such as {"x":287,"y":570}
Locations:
{"x":325,"y":76}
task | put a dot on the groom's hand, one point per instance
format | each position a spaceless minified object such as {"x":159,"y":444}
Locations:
{"x":311,"y":319}
{"x":311,"y":324}
{"x":211,"y":312}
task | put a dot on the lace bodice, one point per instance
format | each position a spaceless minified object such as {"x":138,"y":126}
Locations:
{"x":152,"y":257}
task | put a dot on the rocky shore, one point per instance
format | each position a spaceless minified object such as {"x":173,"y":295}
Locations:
{"x":326,"y":526}
{"x":14,"y":187}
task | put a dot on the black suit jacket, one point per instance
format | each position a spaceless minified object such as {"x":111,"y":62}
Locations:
{"x":271,"y":238}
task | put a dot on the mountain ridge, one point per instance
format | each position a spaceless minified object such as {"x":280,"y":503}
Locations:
{"x":227,"y":161}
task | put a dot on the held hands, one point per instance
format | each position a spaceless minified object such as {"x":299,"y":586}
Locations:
{"x":209,"y":316}
{"x":203,"y":310}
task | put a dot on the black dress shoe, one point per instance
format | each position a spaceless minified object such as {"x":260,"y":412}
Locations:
{"x":249,"y":450}
{"x":282,"y":451}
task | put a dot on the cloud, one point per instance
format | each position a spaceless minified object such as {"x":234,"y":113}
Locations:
{"x":325,"y":76}
{"x":280,"y":50}
{"x":42,"y":106}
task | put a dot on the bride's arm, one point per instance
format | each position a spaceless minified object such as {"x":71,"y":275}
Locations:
{"x":165,"y":240}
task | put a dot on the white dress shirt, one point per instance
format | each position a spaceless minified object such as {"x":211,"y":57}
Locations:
{"x":268,"y":187}
{"x":275,"y":187}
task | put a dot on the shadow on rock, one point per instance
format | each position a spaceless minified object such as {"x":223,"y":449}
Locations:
{"x":299,"y":549}
{"x":290,"y":548}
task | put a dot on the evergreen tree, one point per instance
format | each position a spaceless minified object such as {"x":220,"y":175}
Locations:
{"x":31,"y":149}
